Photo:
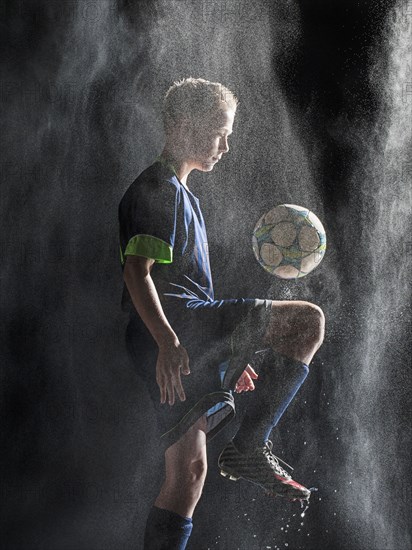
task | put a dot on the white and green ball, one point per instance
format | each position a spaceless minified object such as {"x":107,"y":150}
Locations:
{"x":289,"y":241}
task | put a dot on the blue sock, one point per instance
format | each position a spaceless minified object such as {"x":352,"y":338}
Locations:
{"x":166,"y":530}
{"x":279,"y":380}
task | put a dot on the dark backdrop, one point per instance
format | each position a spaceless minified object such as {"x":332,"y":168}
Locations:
{"x":324,"y":121}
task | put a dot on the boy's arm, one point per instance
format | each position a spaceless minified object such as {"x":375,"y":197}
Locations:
{"x":172,"y":355}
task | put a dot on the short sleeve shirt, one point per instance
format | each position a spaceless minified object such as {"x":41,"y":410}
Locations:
{"x":160,"y":219}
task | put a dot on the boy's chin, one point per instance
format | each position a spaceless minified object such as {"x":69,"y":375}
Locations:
{"x":207,"y":166}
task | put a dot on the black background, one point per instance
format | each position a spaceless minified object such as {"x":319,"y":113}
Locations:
{"x":324,"y":121}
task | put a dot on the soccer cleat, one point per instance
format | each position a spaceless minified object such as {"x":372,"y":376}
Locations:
{"x":261,"y":467}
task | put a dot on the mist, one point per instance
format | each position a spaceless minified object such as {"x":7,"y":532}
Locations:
{"x":324,"y":121}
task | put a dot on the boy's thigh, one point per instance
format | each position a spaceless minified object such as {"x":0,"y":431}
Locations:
{"x":191,"y":447}
{"x":213,"y":323}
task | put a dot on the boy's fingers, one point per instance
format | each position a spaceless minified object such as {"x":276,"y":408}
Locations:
{"x":162,"y":392}
{"x":252,"y":372}
{"x":247,"y":380}
{"x":171,"y":392}
{"x":179,"y":389}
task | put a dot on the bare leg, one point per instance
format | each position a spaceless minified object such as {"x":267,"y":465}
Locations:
{"x":296,"y":329}
{"x":186,"y":468}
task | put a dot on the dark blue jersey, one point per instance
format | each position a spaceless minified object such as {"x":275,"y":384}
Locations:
{"x":160,"y":219}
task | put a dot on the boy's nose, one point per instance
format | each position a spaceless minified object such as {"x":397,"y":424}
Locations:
{"x":224,"y":146}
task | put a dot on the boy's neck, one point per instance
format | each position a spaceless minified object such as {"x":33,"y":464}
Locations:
{"x":179,"y":167}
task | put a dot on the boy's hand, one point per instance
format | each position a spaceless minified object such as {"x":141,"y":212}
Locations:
{"x":245,"y":382}
{"x":171,"y":358}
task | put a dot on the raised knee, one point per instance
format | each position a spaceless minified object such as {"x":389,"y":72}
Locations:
{"x":315,"y":321}
{"x":198,"y":471}
{"x":195,"y":480}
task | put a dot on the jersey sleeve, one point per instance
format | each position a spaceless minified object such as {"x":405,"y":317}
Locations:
{"x":147,"y":222}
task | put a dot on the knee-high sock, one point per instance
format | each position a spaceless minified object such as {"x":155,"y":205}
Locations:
{"x":279,"y":379}
{"x":166,"y":530}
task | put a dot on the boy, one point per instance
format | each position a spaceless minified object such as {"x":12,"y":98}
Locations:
{"x":177,"y":327}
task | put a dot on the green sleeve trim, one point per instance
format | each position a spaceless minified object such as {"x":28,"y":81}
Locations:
{"x":149,"y":247}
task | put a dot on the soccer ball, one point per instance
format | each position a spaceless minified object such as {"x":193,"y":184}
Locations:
{"x":289,"y":241}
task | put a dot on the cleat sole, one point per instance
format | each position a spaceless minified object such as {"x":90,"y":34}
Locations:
{"x":230,"y":476}
{"x":267,"y":493}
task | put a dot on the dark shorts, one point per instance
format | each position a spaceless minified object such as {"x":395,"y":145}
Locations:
{"x":206,"y":330}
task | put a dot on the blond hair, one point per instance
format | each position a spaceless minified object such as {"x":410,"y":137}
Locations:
{"x":195,"y":98}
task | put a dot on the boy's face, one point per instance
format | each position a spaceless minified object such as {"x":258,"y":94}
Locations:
{"x":207,"y":142}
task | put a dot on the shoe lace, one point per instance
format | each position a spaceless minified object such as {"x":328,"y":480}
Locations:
{"x":274,"y":460}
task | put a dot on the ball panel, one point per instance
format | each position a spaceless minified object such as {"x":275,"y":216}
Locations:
{"x":308,"y":238}
{"x":284,"y":233}
{"x":276,"y":215}
{"x":286,"y":272}
{"x":309,"y":262}
{"x":270,"y":254}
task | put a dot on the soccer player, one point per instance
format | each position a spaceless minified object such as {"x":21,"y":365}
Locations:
{"x":192,"y":350}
